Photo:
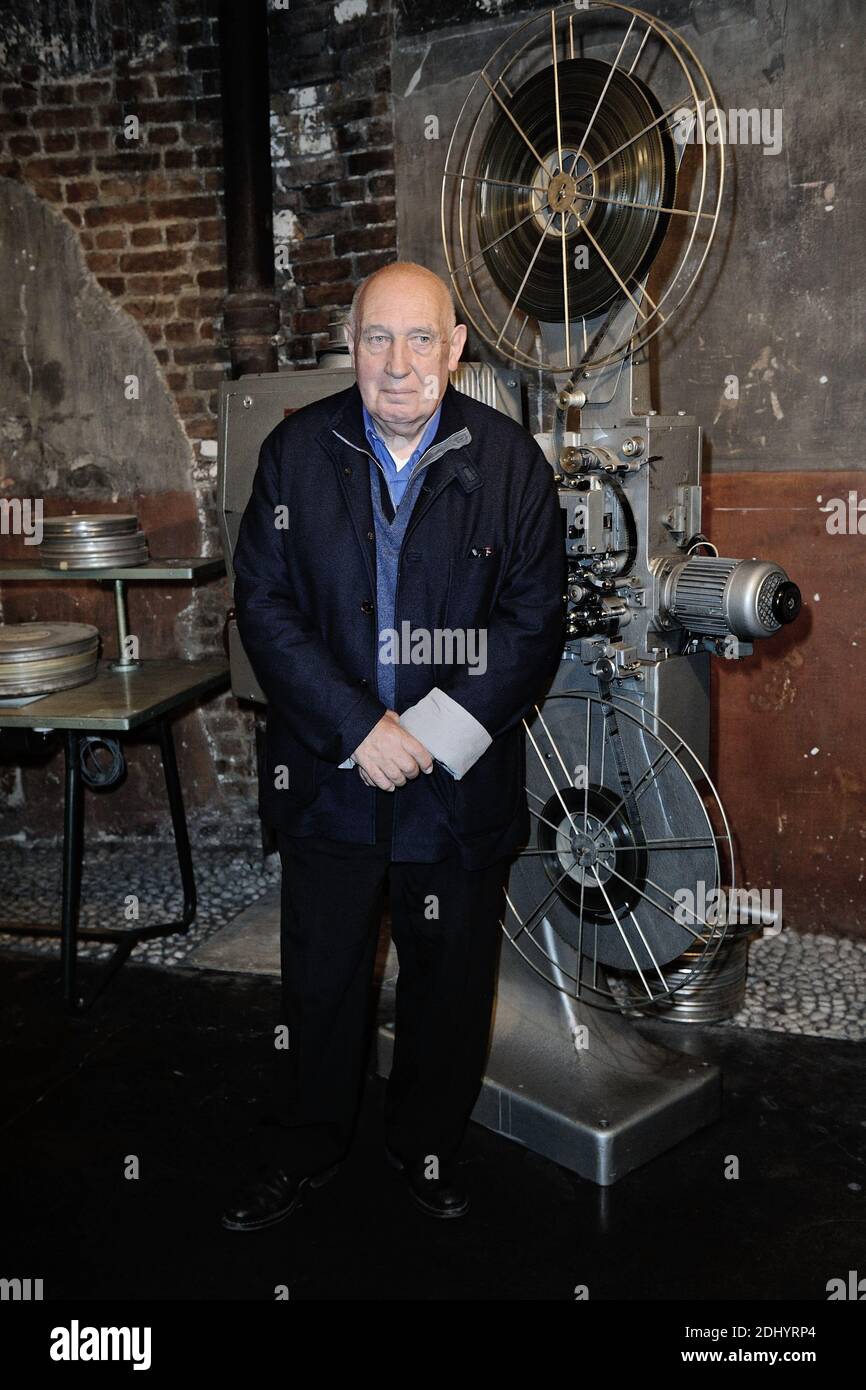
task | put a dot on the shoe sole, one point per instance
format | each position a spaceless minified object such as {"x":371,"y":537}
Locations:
{"x":316,"y":1180}
{"x":398,"y":1163}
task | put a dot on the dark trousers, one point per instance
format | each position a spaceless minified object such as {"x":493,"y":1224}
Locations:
{"x":445,"y":924}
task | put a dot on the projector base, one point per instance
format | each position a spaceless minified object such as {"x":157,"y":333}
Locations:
{"x":602,"y":1109}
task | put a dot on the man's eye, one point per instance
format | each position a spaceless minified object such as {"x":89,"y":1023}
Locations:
{"x":376,"y":339}
{"x":422,"y":339}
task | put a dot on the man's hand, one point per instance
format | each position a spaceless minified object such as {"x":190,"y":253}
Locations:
{"x":389,"y":755}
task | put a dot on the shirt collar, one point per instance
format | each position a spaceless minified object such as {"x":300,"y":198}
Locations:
{"x":426,"y":439}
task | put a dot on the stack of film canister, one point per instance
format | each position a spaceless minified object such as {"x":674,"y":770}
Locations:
{"x":92,"y":541}
{"x":39,"y":658}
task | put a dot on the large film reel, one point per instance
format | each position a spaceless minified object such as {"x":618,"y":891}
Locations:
{"x":561,"y":185}
{"x":624,"y":850}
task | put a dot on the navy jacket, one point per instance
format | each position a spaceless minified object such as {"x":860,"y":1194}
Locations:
{"x":306,"y":613}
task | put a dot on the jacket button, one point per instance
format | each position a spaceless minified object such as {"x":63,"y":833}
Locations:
{"x":363,"y":681}
{"x":366,"y":606}
{"x":348,"y":472}
{"x":370,"y":536}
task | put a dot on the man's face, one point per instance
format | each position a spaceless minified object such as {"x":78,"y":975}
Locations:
{"x":403,"y":351}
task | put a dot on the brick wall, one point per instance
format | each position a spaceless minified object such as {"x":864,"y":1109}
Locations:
{"x":149,"y":215}
{"x":148,"y":210}
{"x":332,"y":151}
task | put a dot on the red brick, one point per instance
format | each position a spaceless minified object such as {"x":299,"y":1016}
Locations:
{"x":211,"y":279}
{"x":336,"y":295}
{"x":203,"y":206}
{"x":178,"y":159}
{"x":96,"y":140}
{"x":133,"y":89}
{"x":367,"y":214}
{"x":14,"y":98}
{"x":174,"y":284}
{"x":146,"y":236}
{"x":81,"y":192}
{"x":132,"y":160}
{"x":365,"y":265}
{"x":180,"y":233}
{"x":172,"y":85}
{"x":120,"y":188}
{"x":117,"y":215}
{"x":200,"y":257}
{"x":74,"y":216}
{"x":92,"y":91}
{"x":144,"y":284}
{"x":111,"y":238}
{"x":382,"y":186}
{"x":52,"y":192}
{"x":161,"y":134}
{"x":114,"y":284}
{"x":193,"y":354}
{"x":137,"y":262}
{"x":101,"y":260}
{"x":64,"y":118}
{"x":23,"y":145}
{"x":207,"y":378}
{"x":58,"y":142}
{"x":180,"y":333}
{"x":211,"y":229}
{"x":322,"y":272}
{"x":59,"y":168}
{"x":367,"y":239}
{"x":199,"y":306}
{"x":371,"y":161}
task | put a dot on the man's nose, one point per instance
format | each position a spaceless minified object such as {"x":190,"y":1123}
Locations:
{"x":398,"y":358}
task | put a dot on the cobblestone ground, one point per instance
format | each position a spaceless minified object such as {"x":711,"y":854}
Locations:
{"x":797,"y":983}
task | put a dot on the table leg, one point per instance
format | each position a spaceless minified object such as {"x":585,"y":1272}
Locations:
{"x":178,"y":820}
{"x":72,"y":855}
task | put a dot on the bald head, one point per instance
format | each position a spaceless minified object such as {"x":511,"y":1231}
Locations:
{"x":397,"y":276}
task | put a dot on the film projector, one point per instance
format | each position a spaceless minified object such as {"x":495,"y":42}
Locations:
{"x":579,"y":202}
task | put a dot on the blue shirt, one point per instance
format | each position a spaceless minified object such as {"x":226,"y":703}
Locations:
{"x":397,"y":479}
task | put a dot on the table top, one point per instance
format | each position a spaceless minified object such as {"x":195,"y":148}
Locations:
{"x":197,"y":567}
{"x":121,"y":700}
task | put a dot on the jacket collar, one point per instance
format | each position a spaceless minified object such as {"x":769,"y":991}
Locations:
{"x":453,"y":433}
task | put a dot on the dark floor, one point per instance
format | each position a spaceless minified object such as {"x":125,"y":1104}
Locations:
{"x":171,"y":1067}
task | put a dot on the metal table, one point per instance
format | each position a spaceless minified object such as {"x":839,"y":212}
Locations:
{"x":118,"y":702}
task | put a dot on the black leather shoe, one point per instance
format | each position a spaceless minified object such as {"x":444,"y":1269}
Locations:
{"x":271,"y":1198}
{"x":435,"y":1196}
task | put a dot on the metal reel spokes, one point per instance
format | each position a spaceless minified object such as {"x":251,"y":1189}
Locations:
{"x":580,"y":148}
{"x":624,"y":852}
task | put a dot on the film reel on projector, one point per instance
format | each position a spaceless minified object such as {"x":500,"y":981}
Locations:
{"x":579,"y":202}
{"x":564,"y":176}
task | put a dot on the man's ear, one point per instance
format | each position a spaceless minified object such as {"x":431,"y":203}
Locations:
{"x":458,"y":342}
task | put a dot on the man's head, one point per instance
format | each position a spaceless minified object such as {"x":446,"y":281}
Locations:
{"x":404,"y":340}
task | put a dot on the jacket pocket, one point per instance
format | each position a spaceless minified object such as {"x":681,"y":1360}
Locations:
{"x":471,"y":588}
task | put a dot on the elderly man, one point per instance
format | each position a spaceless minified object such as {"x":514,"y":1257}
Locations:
{"x":399,"y":592}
